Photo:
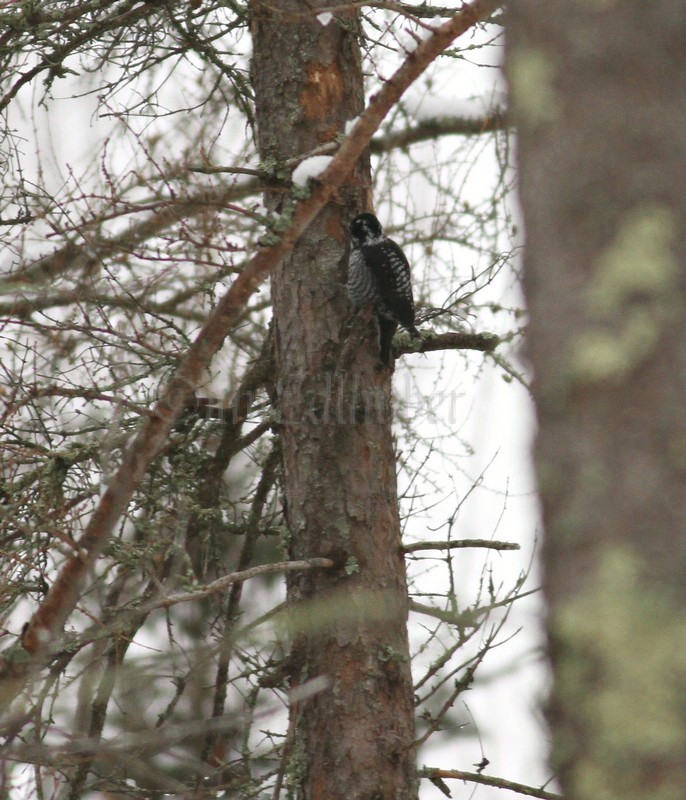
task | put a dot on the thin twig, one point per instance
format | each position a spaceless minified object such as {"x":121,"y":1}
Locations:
{"x":468,"y":617}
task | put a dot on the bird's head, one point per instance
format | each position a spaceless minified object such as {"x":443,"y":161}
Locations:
{"x":365,"y":229}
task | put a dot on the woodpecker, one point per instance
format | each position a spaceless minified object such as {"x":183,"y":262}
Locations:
{"x":379,"y":272}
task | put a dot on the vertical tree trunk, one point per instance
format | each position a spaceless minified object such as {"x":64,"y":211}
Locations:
{"x":354,"y":739}
{"x":599,"y":91}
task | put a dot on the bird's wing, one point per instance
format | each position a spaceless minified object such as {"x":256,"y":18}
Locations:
{"x":391,"y":272}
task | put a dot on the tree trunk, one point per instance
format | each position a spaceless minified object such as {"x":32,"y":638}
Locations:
{"x":354,"y":738}
{"x":599,"y":91}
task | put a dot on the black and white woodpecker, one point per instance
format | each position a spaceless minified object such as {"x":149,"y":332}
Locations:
{"x":379,"y":273}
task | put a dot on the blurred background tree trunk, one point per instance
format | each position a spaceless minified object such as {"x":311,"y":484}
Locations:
{"x":599,"y":91}
{"x":334,"y":416}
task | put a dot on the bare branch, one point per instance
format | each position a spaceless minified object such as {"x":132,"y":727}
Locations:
{"x":488,"y":780}
{"x":440,"y":126}
{"x":454,"y":340}
{"x":489,"y":544}
{"x":235,"y":577}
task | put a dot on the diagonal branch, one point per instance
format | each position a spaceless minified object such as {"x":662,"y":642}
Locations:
{"x":47,"y":622}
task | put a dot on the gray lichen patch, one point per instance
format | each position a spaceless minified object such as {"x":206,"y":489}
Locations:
{"x":631,"y":297}
{"x":531,"y":74}
{"x":623,"y":674}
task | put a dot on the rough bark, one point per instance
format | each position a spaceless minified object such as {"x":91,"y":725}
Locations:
{"x":599,"y":92}
{"x":354,"y":738}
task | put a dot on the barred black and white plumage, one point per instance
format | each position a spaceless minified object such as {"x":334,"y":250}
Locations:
{"x":379,"y":272}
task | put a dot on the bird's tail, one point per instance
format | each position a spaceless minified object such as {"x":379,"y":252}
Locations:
{"x":387,"y":329}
